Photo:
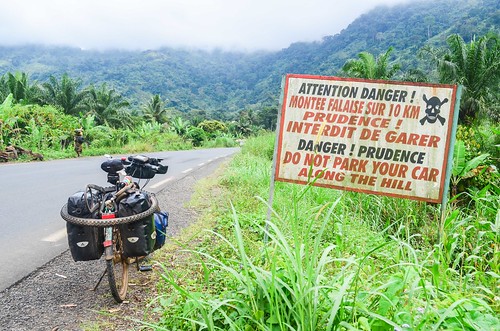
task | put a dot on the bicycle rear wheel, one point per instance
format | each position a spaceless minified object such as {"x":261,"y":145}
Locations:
{"x":117,"y":269}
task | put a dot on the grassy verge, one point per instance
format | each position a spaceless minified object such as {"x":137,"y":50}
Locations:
{"x":334,"y":260}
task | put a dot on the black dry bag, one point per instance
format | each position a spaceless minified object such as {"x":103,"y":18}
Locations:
{"x":85,"y":242}
{"x":138,"y":237}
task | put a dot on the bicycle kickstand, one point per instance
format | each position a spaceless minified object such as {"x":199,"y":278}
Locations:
{"x":100,"y":279}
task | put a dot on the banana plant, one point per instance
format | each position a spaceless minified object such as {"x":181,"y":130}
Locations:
{"x":463,"y":168}
{"x":8,"y":121}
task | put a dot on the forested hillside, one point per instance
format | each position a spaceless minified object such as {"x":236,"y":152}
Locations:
{"x":222,"y":83}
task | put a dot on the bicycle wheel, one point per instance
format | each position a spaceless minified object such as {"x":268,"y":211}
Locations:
{"x":117,"y":269}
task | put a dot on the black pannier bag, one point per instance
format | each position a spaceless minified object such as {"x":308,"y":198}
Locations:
{"x":78,"y":205}
{"x":138,"y":237}
{"x":85,"y":242}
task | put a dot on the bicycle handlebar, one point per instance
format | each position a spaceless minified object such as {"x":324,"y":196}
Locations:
{"x":137,"y":166}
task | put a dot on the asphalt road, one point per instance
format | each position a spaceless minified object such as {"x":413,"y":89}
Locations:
{"x":32,"y":194}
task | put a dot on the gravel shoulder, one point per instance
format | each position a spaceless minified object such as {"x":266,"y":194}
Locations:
{"x":60,"y":295}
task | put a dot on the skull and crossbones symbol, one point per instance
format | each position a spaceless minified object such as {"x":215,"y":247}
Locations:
{"x":432,"y":110}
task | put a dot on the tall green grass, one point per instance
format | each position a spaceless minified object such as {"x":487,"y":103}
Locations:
{"x":334,"y":260}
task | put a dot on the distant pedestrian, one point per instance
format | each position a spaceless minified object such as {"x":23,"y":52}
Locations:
{"x":78,"y":142}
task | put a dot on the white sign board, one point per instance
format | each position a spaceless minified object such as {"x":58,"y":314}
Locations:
{"x":380,"y":137}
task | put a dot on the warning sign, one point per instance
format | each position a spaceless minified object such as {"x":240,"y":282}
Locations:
{"x":381,"y":137}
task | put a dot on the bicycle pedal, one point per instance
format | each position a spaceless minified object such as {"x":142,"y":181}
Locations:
{"x":145,"y":268}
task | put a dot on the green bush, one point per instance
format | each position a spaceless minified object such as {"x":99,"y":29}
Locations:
{"x":213,"y":127}
{"x":197,"y":136}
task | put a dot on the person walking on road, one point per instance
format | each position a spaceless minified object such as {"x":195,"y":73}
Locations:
{"x":78,"y":142}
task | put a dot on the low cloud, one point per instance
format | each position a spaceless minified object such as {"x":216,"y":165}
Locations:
{"x":149,"y":24}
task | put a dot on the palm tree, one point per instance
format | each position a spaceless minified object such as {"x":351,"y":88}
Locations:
{"x":155,"y":110}
{"x":4,"y":88}
{"x":22,"y":91}
{"x":476,"y":67}
{"x":414,"y":75}
{"x":244,"y":125}
{"x":123,"y":119}
{"x":65,"y":94}
{"x":369,"y":67}
{"x":107,"y":107}
{"x":267,"y":117}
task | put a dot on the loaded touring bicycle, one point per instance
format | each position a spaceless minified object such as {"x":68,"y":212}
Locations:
{"x":123,"y":222}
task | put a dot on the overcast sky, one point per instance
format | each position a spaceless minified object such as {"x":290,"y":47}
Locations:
{"x":149,"y":24}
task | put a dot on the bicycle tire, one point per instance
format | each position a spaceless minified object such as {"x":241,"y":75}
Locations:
{"x":117,"y":270}
{"x":111,"y":221}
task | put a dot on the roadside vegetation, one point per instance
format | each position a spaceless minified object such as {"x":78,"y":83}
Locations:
{"x":333,"y":260}
{"x":48,"y":130}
